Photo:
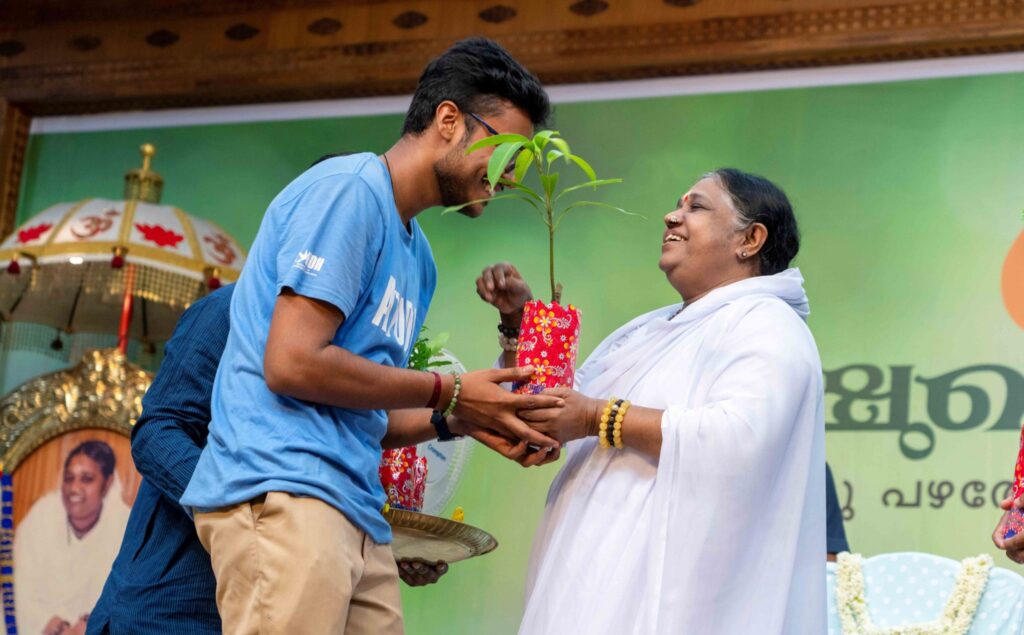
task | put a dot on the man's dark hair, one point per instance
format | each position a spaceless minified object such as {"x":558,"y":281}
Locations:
{"x":475,"y":74}
{"x":758,"y":200}
{"x":98,"y":451}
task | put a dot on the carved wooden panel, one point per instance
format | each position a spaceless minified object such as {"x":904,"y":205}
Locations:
{"x":66,"y":56}
{"x":14,"y":128}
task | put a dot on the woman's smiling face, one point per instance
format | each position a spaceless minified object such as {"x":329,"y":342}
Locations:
{"x":701,"y":240}
{"x":83,"y":490}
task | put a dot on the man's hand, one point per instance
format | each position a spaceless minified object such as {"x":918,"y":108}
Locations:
{"x":485,"y":403}
{"x":419,"y":573}
{"x":514,"y":449}
{"x":1014,"y":547}
{"x":502,"y":286}
{"x":578,"y":418}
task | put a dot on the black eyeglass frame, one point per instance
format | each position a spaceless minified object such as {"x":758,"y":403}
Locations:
{"x":483,"y":123}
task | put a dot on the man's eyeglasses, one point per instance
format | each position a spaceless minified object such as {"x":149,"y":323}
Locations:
{"x":483,"y":123}
{"x":512,"y":163}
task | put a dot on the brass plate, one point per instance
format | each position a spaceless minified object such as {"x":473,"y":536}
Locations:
{"x":430,"y":538}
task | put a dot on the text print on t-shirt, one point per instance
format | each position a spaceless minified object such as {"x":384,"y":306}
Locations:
{"x":308,"y":262}
{"x":396,"y":316}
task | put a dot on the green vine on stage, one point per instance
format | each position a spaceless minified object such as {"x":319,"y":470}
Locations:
{"x":545,"y":152}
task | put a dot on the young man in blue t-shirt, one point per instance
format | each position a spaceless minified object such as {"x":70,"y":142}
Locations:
{"x":323,"y":318}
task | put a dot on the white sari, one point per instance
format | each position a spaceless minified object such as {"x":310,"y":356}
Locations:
{"x":725,"y":532}
{"x":57,"y":574}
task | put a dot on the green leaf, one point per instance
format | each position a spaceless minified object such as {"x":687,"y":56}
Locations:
{"x":552,"y":155}
{"x":523,"y":164}
{"x":591,"y":184}
{"x":499,"y":161}
{"x":495,"y":140}
{"x":561,"y":145}
{"x":437,"y":343}
{"x":599,"y":204}
{"x":522,"y":188}
{"x":498,"y":197}
{"x":589,"y":171}
{"x":591,"y":204}
{"x":541,"y":138}
{"x":549,"y":181}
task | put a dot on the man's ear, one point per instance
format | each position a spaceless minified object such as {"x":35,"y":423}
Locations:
{"x":449,"y":122}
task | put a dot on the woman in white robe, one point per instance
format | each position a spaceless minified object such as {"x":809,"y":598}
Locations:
{"x":65,"y":545}
{"x":711,"y":519}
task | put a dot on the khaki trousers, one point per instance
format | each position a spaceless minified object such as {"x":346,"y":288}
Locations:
{"x":294,"y":565}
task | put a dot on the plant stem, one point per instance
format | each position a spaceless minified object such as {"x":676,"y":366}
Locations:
{"x":551,"y":260}
{"x":551,"y":247}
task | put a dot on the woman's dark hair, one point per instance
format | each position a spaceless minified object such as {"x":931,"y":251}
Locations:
{"x":97,"y":451}
{"x":758,"y":200}
{"x":475,"y":73}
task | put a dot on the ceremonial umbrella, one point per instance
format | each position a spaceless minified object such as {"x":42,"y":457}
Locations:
{"x":126,"y":267}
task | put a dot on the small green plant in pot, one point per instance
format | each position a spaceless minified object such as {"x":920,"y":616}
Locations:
{"x":549,"y":333}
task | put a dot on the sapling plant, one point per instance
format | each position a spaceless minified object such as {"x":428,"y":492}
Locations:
{"x":543,"y":155}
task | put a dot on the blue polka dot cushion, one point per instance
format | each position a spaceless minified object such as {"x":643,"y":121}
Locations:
{"x":903,"y":589}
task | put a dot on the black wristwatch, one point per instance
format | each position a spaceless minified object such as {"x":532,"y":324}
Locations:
{"x":440,"y":423}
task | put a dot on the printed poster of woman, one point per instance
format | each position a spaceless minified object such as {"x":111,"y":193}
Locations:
{"x":72,"y":497}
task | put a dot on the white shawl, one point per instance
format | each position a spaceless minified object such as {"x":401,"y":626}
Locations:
{"x":725,"y":532}
{"x":57,"y":574}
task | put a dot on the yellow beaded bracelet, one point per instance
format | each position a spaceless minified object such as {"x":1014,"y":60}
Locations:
{"x":617,"y":428}
{"x":605,"y":421}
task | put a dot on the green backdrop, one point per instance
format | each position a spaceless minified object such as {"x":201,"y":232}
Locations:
{"x":909,"y":197}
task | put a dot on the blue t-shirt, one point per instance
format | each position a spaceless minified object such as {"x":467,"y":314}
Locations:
{"x":333,"y":234}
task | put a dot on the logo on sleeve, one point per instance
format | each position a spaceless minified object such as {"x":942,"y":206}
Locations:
{"x":308,"y":262}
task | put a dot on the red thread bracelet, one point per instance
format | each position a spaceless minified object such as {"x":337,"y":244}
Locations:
{"x":436,"y":395}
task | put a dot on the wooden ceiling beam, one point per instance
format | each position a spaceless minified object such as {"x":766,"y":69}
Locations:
{"x":174,"y":54}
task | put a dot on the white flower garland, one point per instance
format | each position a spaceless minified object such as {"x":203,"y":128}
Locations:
{"x":955,"y":620}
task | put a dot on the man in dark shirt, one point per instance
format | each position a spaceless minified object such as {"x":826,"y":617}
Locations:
{"x":835,"y":541}
{"x":162,"y":580}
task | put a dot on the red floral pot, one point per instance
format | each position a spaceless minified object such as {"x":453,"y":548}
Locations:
{"x":404,"y":476}
{"x":548,"y":340}
{"x":1015,"y":520}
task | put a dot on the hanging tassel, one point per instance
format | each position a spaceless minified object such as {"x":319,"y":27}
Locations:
{"x":14,"y":268}
{"x":118,"y":260}
{"x":212,"y":278}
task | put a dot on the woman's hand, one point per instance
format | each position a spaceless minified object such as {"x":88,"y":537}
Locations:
{"x":502,"y":286}
{"x":56,"y":626}
{"x":1014,"y":547}
{"x":578,"y":418}
{"x":79,"y":626}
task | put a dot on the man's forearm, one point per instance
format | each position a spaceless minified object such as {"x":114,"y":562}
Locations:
{"x":165,"y":455}
{"x":336,"y":377}
{"x":301,"y":361}
{"x":408,"y":427}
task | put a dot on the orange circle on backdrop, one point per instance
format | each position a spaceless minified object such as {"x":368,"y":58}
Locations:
{"x":1013,"y":281}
